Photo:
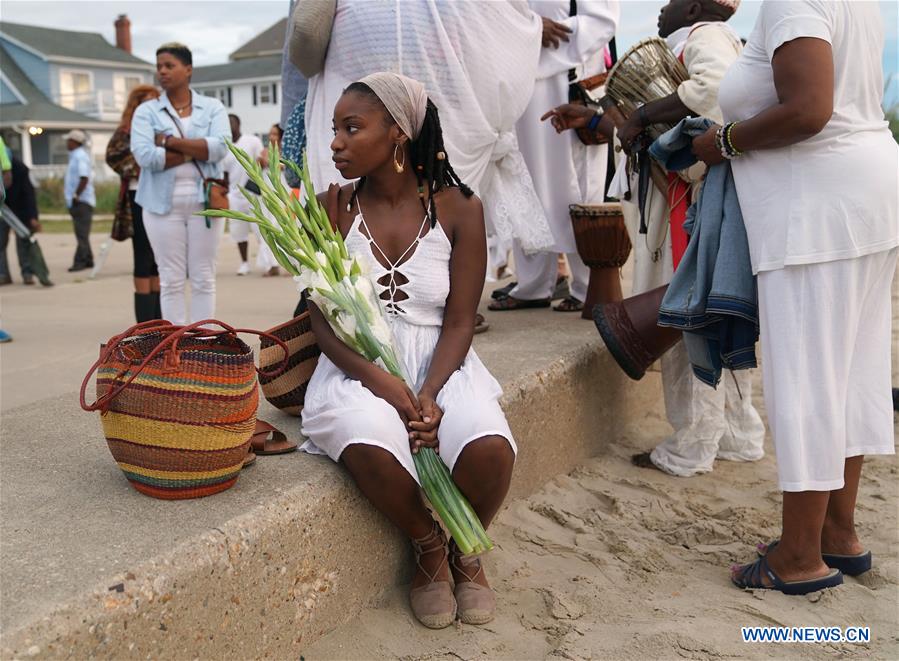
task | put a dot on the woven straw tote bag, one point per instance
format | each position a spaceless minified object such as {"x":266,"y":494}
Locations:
{"x":178,"y":405}
{"x":287,"y":391}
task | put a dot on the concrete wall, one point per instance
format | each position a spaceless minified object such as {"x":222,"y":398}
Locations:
{"x":312,"y":553}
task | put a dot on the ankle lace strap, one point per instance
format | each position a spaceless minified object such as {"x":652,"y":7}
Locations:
{"x":460,"y":562}
{"x":436,"y":535}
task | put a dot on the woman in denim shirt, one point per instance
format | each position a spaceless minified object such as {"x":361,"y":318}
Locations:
{"x":175,"y":139}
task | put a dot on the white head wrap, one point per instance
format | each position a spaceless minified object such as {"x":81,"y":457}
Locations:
{"x":404,"y":98}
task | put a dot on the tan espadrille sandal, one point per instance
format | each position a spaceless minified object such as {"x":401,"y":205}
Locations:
{"x":476,"y":603}
{"x":433,"y":604}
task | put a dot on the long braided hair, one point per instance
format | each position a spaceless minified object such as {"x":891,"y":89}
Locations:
{"x":428,"y":155}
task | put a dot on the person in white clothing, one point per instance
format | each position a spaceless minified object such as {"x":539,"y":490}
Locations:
{"x":816,"y":170}
{"x":478,"y":61}
{"x":421,"y":231}
{"x":178,"y":140}
{"x":708,"y":423}
{"x":563,"y":169}
{"x":239,"y":230}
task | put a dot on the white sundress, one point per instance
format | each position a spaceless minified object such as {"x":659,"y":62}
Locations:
{"x":340,"y":411}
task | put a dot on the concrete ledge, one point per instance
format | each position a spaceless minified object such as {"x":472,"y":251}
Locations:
{"x":291,"y":552}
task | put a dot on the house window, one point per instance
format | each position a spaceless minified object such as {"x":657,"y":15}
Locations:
{"x":265,"y":94}
{"x":76,"y":90}
{"x":122,"y":86}
{"x":223,"y":94}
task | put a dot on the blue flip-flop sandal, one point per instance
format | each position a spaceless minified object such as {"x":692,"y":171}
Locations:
{"x":850,"y":565}
{"x":750,"y":577}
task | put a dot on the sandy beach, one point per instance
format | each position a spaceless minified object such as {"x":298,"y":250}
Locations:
{"x":618,"y":562}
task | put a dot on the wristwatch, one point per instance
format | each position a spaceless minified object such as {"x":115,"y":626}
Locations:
{"x":165,"y":140}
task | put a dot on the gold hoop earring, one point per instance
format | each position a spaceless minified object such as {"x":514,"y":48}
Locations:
{"x":399,"y":167}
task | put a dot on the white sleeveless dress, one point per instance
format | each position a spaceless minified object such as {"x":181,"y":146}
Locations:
{"x":340,"y":411}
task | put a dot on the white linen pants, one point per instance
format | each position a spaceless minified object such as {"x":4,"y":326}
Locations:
{"x":826,"y":344}
{"x":239,"y":231}
{"x":536,"y":274}
{"x":185,"y":249}
{"x":708,"y":423}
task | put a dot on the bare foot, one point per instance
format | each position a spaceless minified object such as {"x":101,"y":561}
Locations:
{"x":788,"y":567}
{"x":840,"y":540}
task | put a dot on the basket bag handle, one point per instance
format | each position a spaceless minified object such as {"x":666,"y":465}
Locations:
{"x":173,"y":358}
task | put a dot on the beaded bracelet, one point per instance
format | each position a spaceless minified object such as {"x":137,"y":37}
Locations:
{"x":723,"y":142}
{"x":594,"y":122}
{"x":728,"y":140}
{"x":719,"y":143}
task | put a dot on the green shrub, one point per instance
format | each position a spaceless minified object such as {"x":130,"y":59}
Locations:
{"x":50,"y":197}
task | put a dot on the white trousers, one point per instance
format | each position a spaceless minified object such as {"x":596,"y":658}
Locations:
{"x":185,"y":249}
{"x":826,"y":344}
{"x":239,"y":231}
{"x":708,"y":423}
{"x":536,"y":274}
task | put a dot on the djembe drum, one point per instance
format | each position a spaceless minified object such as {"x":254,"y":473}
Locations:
{"x":604,"y":246}
{"x":647,"y":72}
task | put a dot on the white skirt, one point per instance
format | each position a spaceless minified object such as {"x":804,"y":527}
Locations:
{"x":826,"y":342}
{"x":340,"y":411}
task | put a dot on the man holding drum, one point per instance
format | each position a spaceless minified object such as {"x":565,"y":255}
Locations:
{"x":708,"y":424}
{"x":575,"y":36}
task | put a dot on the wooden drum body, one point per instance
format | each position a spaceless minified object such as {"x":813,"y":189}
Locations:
{"x":604,"y":246}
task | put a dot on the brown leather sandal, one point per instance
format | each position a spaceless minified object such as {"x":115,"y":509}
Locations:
{"x":266,"y":439}
{"x":569,"y":304}
{"x":433,"y":604}
{"x":512,"y":303}
{"x":476,"y":602}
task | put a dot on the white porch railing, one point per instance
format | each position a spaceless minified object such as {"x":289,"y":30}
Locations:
{"x":106,"y":105}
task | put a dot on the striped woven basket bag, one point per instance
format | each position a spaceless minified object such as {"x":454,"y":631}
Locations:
{"x":178,"y":405}
{"x":287,"y":391}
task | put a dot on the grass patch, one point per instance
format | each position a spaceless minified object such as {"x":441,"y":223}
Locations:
{"x":50,"y":198}
{"x":65,"y":227}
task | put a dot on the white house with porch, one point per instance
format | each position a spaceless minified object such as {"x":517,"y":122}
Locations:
{"x":52,"y":81}
{"x":249,"y":84}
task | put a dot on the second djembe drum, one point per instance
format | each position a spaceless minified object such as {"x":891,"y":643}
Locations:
{"x":604,"y":246}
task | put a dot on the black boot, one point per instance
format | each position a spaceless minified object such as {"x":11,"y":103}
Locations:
{"x":144,"y":307}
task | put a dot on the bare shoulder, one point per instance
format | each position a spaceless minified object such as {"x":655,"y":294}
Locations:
{"x":459,"y":212}
{"x":344,"y":218}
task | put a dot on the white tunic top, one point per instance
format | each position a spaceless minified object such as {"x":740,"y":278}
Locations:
{"x":237,"y":176}
{"x":833,"y":196}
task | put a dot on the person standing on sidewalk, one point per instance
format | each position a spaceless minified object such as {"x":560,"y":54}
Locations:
{"x":120,"y":159}
{"x":78,"y":188}
{"x":178,"y":140}
{"x":6,"y":168}
{"x":239,"y":230}
{"x":22,"y":201}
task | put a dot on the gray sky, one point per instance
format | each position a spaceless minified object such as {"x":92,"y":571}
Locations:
{"x":214,"y":28}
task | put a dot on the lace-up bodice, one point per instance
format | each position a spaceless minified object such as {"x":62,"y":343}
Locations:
{"x":415,"y":287}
